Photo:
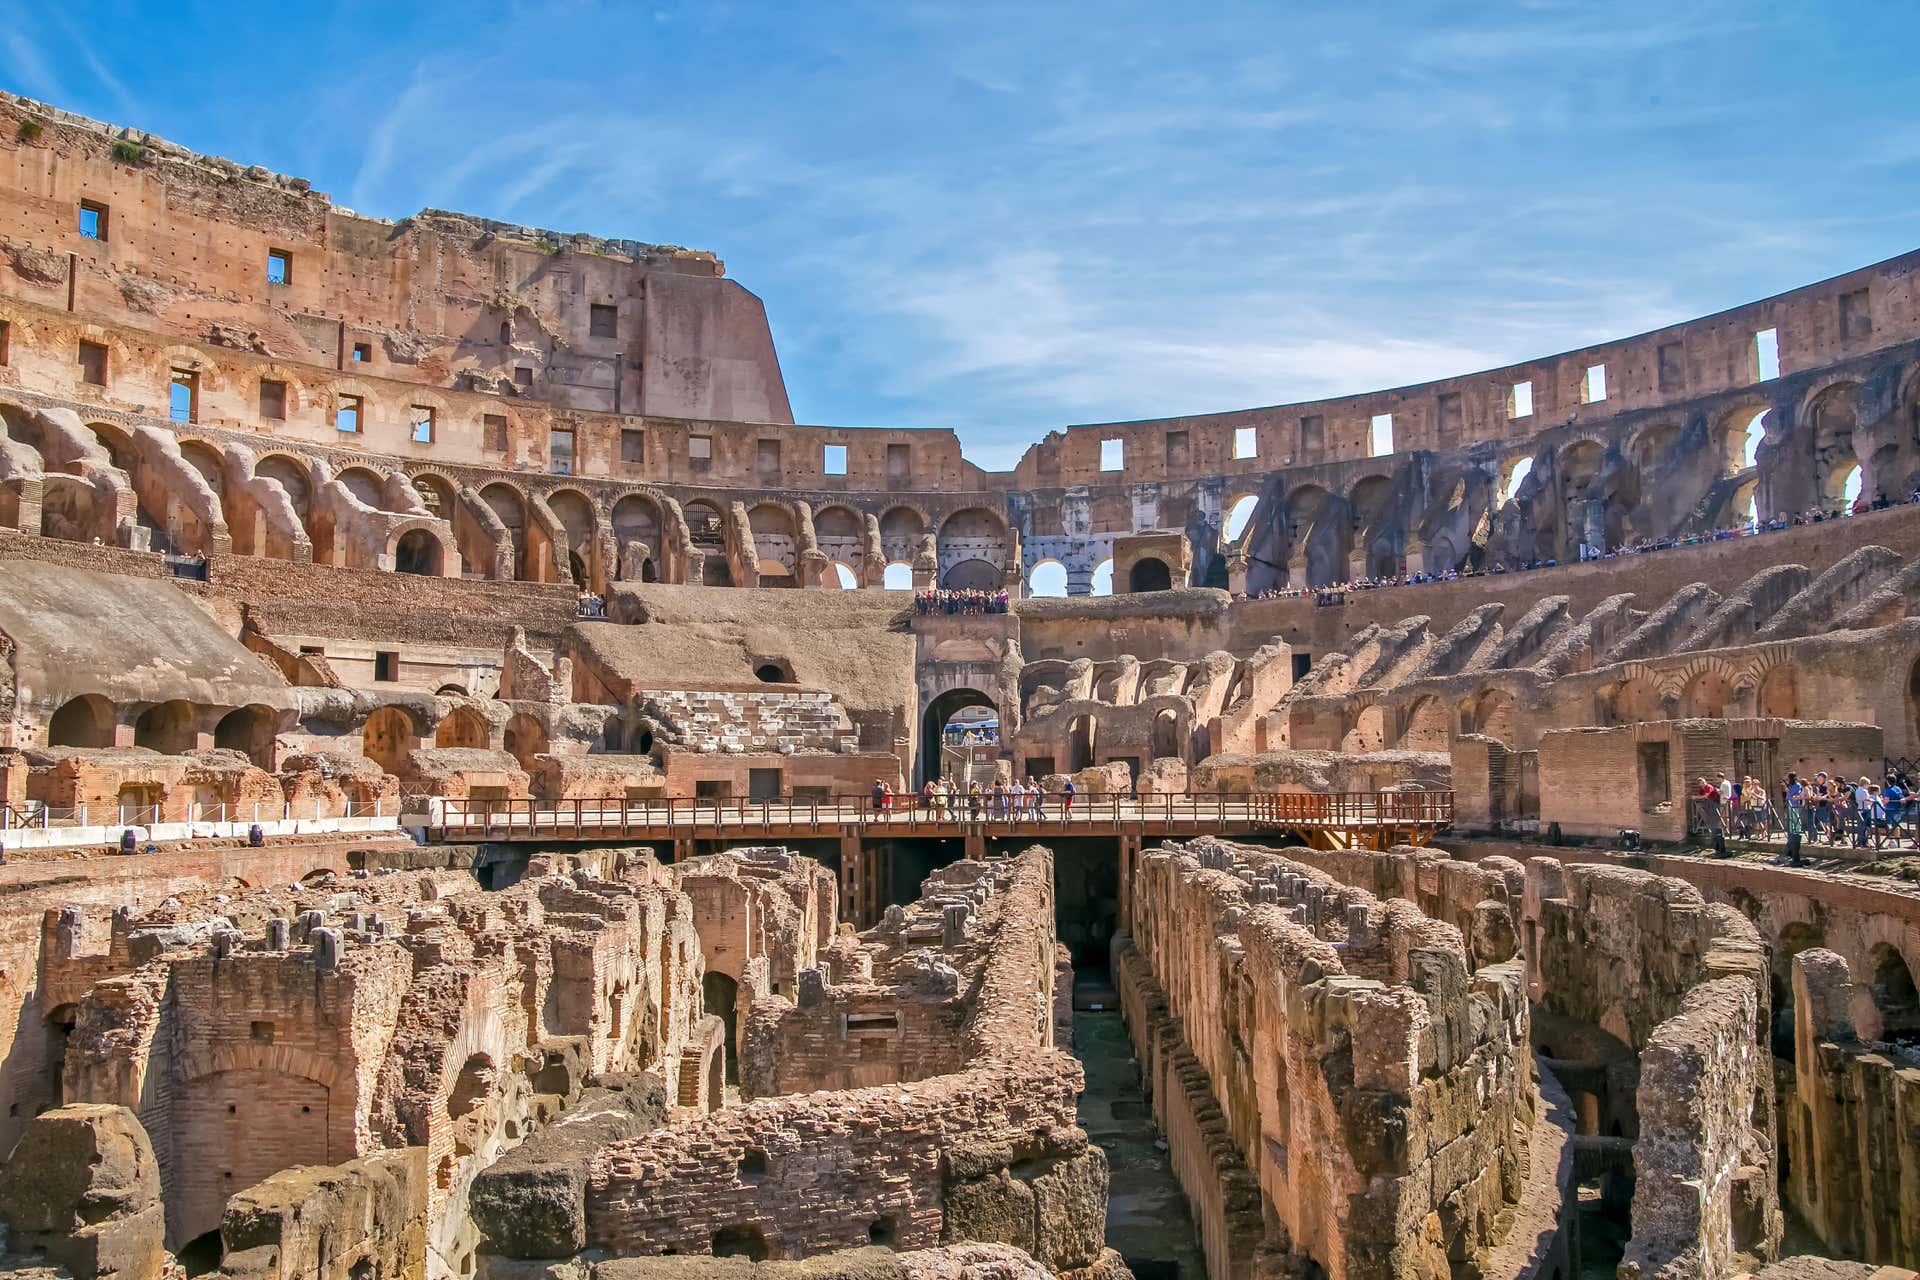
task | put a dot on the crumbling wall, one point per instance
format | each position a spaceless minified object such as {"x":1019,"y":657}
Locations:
{"x":1273,"y":1008}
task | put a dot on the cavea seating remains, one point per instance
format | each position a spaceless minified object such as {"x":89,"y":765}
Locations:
{"x":485,"y":794}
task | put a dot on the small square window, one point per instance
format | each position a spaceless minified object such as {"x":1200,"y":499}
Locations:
{"x":560,"y":451}
{"x":279,"y":267}
{"x":1595,"y":388}
{"x":422,"y":418}
{"x":1113,"y":455}
{"x":183,"y":396}
{"x":493,"y":432}
{"x":522,"y":376}
{"x":833,"y":459}
{"x":347,"y":416}
{"x":603,"y":321}
{"x":262,"y":1032}
{"x":93,"y":364}
{"x":386,"y":666}
{"x":1380,"y":435}
{"x":1246,"y":443}
{"x":633,"y":446}
{"x":1766,"y":354}
{"x":273,"y":399}
{"x":362,"y":352}
{"x":1520,"y":400}
{"x":93,"y":220}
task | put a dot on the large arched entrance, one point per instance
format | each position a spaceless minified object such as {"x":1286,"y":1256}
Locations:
{"x":85,"y":721}
{"x":957,"y":755}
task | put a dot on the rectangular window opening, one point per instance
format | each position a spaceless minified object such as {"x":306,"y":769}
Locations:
{"x":560,"y":451}
{"x":1450,"y":415}
{"x":1595,"y":389}
{"x":386,"y":665}
{"x":183,"y":396}
{"x":899,"y":461}
{"x":633,"y":447}
{"x":279,"y":267}
{"x":1176,"y":451}
{"x":347,"y":416}
{"x":603,"y":321}
{"x":362,"y":352}
{"x":1766,"y":354}
{"x":6,"y":340}
{"x":1313,"y":436}
{"x":1520,"y":400}
{"x":421,"y":418}
{"x":273,"y":399}
{"x":493,"y":432}
{"x":700,"y":452}
{"x":1113,"y":455}
{"x":522,"y":376}
{"x":1246,"y":443}
{"x":833,"y":459}
{"x":1380,"y":435}
{"x":1656,"y":787}
{"x":93,"y":363}
{"x":93,"y":220}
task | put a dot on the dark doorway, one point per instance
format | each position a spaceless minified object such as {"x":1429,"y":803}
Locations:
{"x":717,"y":995}
{"x":763,"y":784}
{"x":933,"y":728}
{"x":1149,"y":574}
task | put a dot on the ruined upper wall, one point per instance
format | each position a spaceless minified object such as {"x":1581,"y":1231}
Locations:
{"x":439,"y":299}
{"x":1846,"y":316}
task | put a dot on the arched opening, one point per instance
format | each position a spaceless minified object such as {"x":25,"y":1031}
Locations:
{"x":472,"y":1087}
{"x":248,"y":730}
{"x":364,"y":485}
{"x":837,"y":531}
{"x":1102,"y":583}
{"x":953,"y":754}
{"x":506,"y":503}
{"x":1833,"y":417}
{"x":1779,"y":696}
{"x":740,"y":1242}
{"x":897,"y":576}
{"x":85,"y":721}
{"x":461,"y":727}
{"x":901,"y":532}
{"x":844,"y":577}
{"x":1493,"y":716}
{"x":418,"y":552}
{"x":1517,"y":472}
{"x":1237,"y":517}
{"x":1895,"y":996}
{"x":1429,"y":726}
{"x":972,"y":575}
{"x":775,"y":542}
{"x":524,"y":739}
{"x":575,"y":513}
{"x":1369,"y":731}
{"x":172,"y":728}
{"x":200,"y":1256}
{"x":636,"y":533}
{"x":974,"y":541}
{"x":773,"y":672}
{"x":1166,"y":736}
{"x":1048,"y":580}
{"x":1748,"y":441}
{"x":388,"y":739}
{"x":718,"y":992}
{"x":1080,"y":744}
{"x":1149,"y":573}
{"x":1706,"y":695}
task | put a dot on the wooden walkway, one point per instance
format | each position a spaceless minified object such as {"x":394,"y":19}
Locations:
{"x":1373,"y":820}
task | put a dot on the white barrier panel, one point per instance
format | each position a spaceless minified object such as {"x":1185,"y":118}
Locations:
{"x":173,"y":832}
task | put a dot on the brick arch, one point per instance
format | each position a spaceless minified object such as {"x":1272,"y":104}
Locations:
{"x":203,"y":1060}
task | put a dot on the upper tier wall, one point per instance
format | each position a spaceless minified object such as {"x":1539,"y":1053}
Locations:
{"x":439,"y":299}
{"x":1846,"y":316}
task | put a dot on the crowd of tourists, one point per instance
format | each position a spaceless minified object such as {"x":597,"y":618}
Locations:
{"x":591,"y":604}
{"x":1825,"y":808}
{"x":1335,"y":593}
{"x":967,"y":601}
{"x":1003,"y":801}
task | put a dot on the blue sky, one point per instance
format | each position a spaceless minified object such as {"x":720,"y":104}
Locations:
{"x":1004,"y":218}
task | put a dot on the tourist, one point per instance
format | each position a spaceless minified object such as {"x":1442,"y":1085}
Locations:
{"x":879,"y":795}
{"x":1037,"y":796}
{"x":1066,"y":799}
{"x":973,"y":800}
{"x":1796,"y":818}
{"x":1863,"y":801}
{"x":1822,"y":797}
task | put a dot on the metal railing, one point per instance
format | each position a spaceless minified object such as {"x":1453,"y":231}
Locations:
{"x":906,"y":814}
